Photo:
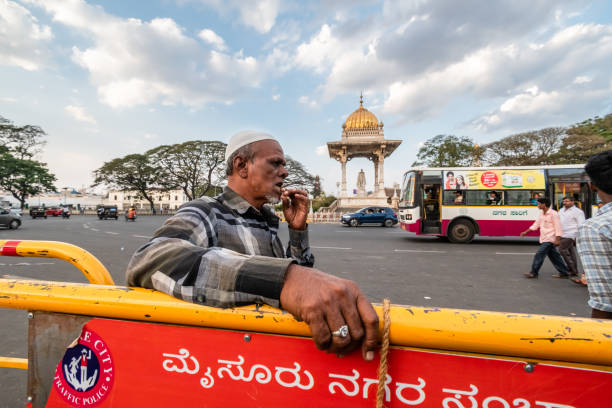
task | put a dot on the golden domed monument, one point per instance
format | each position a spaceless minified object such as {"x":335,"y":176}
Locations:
{"x":363,"y":136}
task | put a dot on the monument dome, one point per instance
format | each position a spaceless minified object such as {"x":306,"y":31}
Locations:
{"x":361,"y":119}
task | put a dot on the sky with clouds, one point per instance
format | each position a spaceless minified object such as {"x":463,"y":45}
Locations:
{"x":109,"y":78}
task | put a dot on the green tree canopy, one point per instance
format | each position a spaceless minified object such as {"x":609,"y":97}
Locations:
{"x":298,"y":176}
{"x":593,"y":126}
{"x":22,"y":177}
{"x":194,"y":166}
{"x":134,"y":172}
{"x":24,"y":142}
{"x":529,"y":148}
{"x":20,"y":174}
{"x":446,"y":151}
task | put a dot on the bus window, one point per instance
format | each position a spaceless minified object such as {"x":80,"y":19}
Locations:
{"x":523,"y":197}
{"x":453,"y":197}
{"x":408,"y":189}
{"x":485,"y":197}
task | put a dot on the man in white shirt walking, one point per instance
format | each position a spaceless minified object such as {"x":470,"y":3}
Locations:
{"x":571,"y":217}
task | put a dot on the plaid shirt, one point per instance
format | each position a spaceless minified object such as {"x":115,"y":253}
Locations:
{"x":595,"y":248}
{"x":219,"y":252}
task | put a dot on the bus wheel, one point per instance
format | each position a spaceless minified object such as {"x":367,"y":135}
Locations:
{"x":461,"y":232}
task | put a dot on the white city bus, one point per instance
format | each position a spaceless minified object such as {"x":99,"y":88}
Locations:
{"x":459,"y":202}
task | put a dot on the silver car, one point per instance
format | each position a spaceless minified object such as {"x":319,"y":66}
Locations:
{"x":9,"y":219}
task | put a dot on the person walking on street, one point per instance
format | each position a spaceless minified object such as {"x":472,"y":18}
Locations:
{"x":550,"y":237}
{"x":571,"y":218}
{"x":594,"y":241}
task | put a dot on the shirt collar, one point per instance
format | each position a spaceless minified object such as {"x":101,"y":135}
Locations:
{"x":606,"y":208}
{"x":235,"y":201}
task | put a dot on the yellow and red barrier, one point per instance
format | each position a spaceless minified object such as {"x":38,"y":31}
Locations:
{"x":139,"y":347}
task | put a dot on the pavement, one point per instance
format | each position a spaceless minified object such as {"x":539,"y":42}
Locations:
{"x":486,"y":274}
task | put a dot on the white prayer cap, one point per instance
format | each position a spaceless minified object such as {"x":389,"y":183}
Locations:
{"x":244,"y":138}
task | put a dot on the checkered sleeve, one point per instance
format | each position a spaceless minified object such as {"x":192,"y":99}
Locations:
{"x":183,"y":260}
{"x":299,"y":248}
{"x":594,"y":244}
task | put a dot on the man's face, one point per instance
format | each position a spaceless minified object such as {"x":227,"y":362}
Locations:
{"x":541,"y":206}
{"x":568,"y":203}
{"x":267,"y":171}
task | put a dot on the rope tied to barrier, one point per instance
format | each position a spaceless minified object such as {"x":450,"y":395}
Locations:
{"x":383,"y":365}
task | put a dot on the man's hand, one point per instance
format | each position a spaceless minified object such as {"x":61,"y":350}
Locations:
{"x":524,"y":233}
{"x":295,"y":208}
{"x":326,"y":303}
{"x":557,"y":241}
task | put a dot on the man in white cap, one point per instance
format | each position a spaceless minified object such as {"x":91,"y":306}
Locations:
{"x":225,"y":251}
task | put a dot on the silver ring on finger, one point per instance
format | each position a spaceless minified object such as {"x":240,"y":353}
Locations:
{"x":342,"y":332}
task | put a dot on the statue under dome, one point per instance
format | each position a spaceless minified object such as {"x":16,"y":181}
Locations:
{"x":361,"y":183}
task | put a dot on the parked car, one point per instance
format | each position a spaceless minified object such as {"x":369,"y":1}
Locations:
{"x":9,"y":219}
{"x":38,"y":212}
{"x":54,"y":211}
{"x":107,"y":211}
{"x":384,"y":216}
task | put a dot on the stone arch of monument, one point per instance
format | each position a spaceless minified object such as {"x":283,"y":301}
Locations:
{"x":363,"y":136}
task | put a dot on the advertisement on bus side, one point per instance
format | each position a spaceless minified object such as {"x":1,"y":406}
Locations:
{"x":493,"y":179}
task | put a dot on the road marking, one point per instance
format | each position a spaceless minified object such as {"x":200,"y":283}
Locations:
{"x":515,"y":253}
{"x":112,"y":233}
{"x":315,"y":247}
{"x":28,"y":264}
{"x":418,"y":250}
{"x":94,"y":229}
{"x":142,"y":236}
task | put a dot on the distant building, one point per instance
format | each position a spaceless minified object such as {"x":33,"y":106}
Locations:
{"x":163,"y":200}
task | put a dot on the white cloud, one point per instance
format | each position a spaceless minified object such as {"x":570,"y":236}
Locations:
{"x":78,"y":113}
{"x":321,"y":150}
{"x":23,"y":40}
{"x":583,"y":79}
{"x":305,"y":100}
{"x":257,"y":14}
{"x":7,"y":99}
{"x":213,"y":38}
{"x":133,"y":62}
{"x":424,"y":55}
{"x":276,"y":97}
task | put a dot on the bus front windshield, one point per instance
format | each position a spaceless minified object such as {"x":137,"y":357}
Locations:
{"x":408,"y":188}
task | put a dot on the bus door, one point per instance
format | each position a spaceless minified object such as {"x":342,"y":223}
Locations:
{"x":570,"y":182}
{"x":432,"y":190}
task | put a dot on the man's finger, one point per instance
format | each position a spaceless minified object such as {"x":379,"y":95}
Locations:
{"x":335,"y":321}
{"x":320,"y":331}
{"x":370,"y":323}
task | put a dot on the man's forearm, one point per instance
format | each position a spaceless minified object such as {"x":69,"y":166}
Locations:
{"x":211,"y":276}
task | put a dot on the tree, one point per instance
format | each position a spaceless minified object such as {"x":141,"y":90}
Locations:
{"x":20,"y":174}
{"x":578,"y":148}
{"x":132,"y":172}
{"x":298,"y":176}
{"x":195,"y":166}
{"x":23,"y":177}
{"x":529,"y":148}
{"x":24,"y":142}
{"x":316,"y":189}
{"x":446,"y":151}
{"x":593,"y":126}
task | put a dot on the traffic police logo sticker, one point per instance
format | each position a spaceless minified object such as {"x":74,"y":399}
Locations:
{"x":86,"y":374}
